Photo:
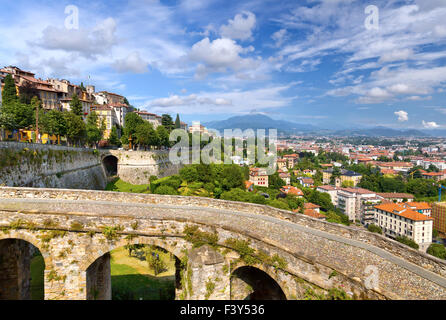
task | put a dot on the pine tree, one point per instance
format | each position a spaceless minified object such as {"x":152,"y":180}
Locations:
{"x":178,"y":122}
{"x":167,"y":122}
{"x":9,"y":94}
{"x":76,"y":105}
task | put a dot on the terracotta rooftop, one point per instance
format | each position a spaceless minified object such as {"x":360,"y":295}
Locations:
{"x":400,"y":210}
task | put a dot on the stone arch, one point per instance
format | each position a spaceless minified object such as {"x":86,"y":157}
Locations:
{"x":255,"y":283}
{"x":97,"y":267}
{"x":16,"y":254}
{"x":110,"y":164}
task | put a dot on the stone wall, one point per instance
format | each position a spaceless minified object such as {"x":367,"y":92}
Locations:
{"x":68,"y":228}
{"x":136,"y":167}
{"x":44,"y":166}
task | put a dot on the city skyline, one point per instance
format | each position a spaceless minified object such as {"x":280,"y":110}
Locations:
{"x":312,"y":62}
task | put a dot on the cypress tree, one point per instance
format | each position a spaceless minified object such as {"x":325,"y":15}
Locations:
{"x":9,"y":94}
{"x":178,"y":122}
{"x":76,"y":106}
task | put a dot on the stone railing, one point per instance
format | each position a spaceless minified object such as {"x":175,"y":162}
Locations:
{"x":416,"y":257}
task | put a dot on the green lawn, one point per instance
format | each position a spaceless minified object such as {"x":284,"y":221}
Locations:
{"x":132,"y":279}
{"x":121,"y":186}
{"x":37,"y":269}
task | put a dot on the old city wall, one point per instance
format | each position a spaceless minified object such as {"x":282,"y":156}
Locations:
{"x":318,"y":255}
{"x":44,"y":166}
{"x":136,"y":167}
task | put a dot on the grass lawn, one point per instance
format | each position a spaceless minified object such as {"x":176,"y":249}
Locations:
{"x":132,"y":279}
{"x":121,"y":186}
{"x":37,"y":277}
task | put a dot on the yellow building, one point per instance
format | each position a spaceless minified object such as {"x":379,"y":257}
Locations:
{"x":346,"y":175}
{"x":29,"y":135}
{"x":106,"y":115}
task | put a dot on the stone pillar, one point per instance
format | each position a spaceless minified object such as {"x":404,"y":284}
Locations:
{"x":207,"y":275}
{"x":99,"y":279}
{"x":15,"y":265}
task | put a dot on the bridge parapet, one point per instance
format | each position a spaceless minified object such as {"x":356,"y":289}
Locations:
{"x":316,"y":253}
{"x":414,"y":256}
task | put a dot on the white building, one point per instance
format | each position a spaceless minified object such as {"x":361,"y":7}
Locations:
{"x":352,"y":202}
{"x":396,"y":220}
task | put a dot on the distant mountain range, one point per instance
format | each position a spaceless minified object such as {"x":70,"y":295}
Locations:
{"x":259,"y":121}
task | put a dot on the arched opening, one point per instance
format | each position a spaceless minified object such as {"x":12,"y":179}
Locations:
{"x":134,"y":272}
{"x":110,"y":165}
{"x":21,"y":271}
{"x":249,"y":283}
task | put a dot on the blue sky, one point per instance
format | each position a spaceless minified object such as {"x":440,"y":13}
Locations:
{"x":304,"y":61}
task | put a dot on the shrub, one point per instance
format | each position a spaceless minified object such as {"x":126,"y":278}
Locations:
{"x":166,"y":190}
{"x":437,"y":250}
{"x":374,"y":228}
{"x":408,"y":242}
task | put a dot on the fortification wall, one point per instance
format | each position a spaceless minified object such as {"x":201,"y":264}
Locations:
{"x":136,"y":167}
{"x":44,"y":166}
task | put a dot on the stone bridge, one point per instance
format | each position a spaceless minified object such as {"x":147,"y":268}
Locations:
{"x":224,"y":250}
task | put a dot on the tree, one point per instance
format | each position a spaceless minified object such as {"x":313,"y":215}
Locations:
{"x":189,"y":173}
{"x":76,"y":106}
{"x":28,"y":91}
{"x":163,"y":136}
{"x":76,"y":128}
{"x":9,"y":93}
{"x":113,"y":139}
{"x":233,"y":177}
{"x":167,"y":122}
{"x":132,"y":121}
{"x":437,"y":250}
{"x":146,"y":135}
{"x":53,"y":123}
{"x":178,"y":122}
{"x":94,"y":134}
{"x":155,"y":262}
{"x":82,"y":87}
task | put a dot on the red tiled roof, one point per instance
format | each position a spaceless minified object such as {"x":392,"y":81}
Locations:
{"x":400,"y":210}
{"x":310,"y":205}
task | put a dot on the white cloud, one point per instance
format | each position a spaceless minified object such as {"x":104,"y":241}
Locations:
{"x":88,"y":42}
{"x":430,"y":125}
{"x":280,"y":37}
{"x":223,"y":102}
{"x":402,"y":116}
{"x":220,"y":55}
{"x":239,"y":28}
{"x":132,"y":63}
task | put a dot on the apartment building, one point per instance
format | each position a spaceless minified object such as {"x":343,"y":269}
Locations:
{"x":292,"y":160}
{"x":259,"y":177}
{"x":25,"y":81}
{"x":354,"y":203}
{"x":394,"y":196}
{"x":285,"y":176}
{"x":332,"y":191}
{"x":105,"y":97}
{"x":346,"y":175}
{"x":154,"y":119}
{"x":397,"y":220}
{"x":439,"y":216}
{"x":282,"y":164}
